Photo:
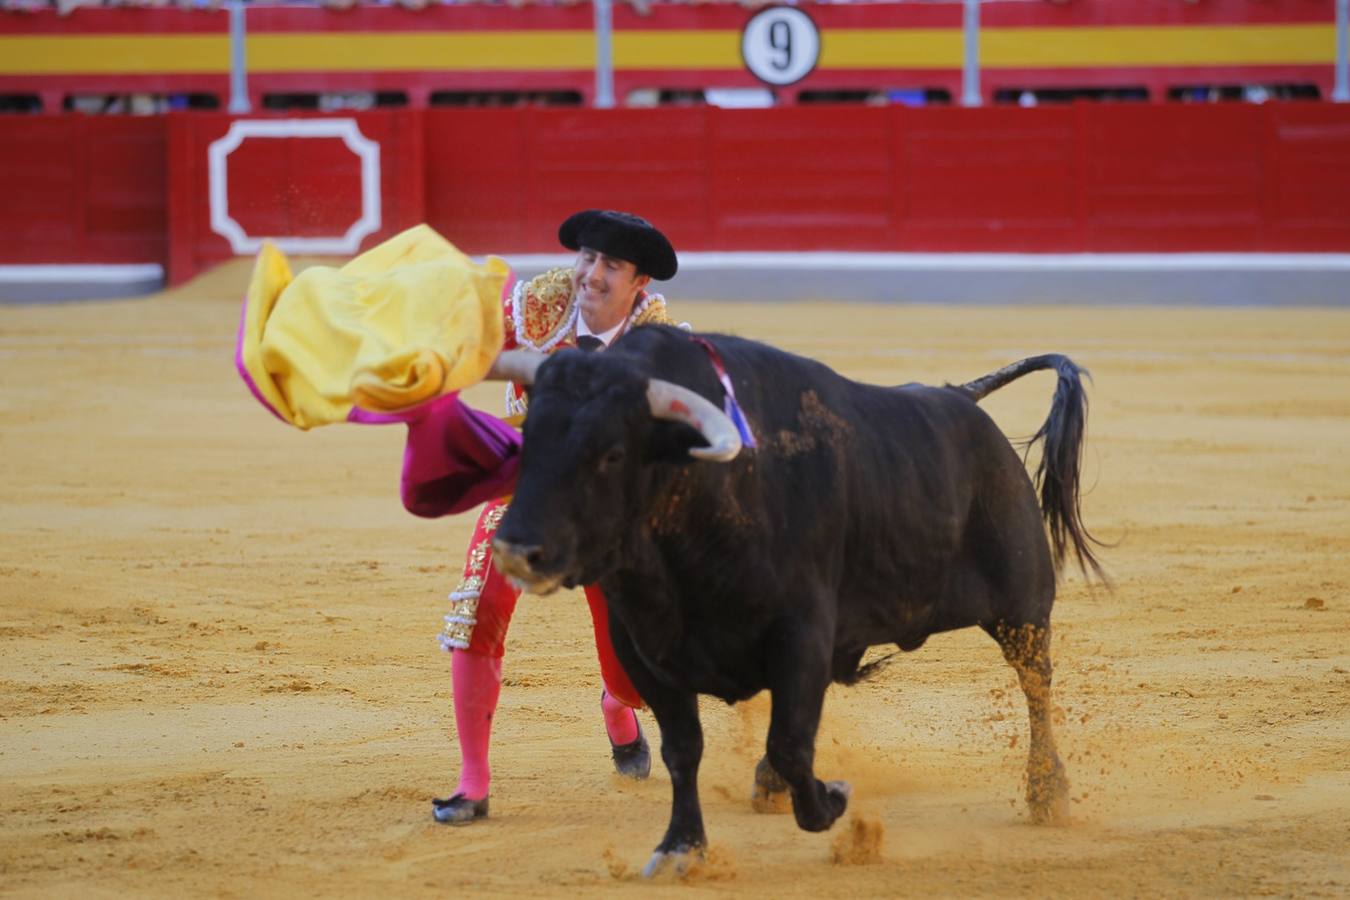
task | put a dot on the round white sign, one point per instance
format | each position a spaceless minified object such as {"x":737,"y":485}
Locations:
{"x":780,"y":45}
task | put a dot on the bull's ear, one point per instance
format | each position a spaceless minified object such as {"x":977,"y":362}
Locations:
{"x":670,"y":442}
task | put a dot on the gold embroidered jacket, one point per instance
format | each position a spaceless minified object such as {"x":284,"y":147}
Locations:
{"x":541,"y":315}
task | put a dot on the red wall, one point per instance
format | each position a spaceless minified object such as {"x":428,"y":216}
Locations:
{"x":80,"y":189}
{"x":1082,"y":178}
{"x":296,"y":187}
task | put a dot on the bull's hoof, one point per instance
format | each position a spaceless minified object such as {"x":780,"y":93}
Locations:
{"x":459,"y":810}
{"x":672,"y":863}
{"x":840,"y":793}
{"x":828,"y":812}
{"x":633,"y":760}
{"x":770,"y":793}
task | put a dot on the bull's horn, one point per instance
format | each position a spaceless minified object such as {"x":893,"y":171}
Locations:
{"x":679,"y":404}
{"x":515,"y":365}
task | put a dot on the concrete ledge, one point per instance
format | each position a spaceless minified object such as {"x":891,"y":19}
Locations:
{"x":57,"y":283}
{"x":1207,"y":279}
{"x":1231,"y":279}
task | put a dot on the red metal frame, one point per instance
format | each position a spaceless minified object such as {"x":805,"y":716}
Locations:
{"x":486,"y":20}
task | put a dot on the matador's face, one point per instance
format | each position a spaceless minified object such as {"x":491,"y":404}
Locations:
{"x":606,"y":288}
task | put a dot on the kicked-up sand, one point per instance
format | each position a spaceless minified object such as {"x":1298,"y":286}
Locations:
{"x":219,"y":673}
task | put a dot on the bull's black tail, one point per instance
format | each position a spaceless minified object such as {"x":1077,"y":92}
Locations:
{"x":1057,"y":475}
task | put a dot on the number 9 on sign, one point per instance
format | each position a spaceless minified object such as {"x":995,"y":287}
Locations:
{"x":780,"y":45}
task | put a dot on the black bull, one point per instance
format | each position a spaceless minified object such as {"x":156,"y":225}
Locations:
{"x":867,"y":515}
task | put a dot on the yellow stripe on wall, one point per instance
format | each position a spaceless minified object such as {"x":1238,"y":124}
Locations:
{"x":122,"y":54}
{"x":422,"y":51}
{"x":691,"y":49}
{"x":939,"y":48}
{"x":891,"y":48}
{"x":688,"y":49}
{"x":328,"y":52}
{"x":847,"y":48}
{"x":1177,"y":46}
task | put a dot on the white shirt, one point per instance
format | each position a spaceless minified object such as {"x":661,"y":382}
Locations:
{"x":608,"y":337}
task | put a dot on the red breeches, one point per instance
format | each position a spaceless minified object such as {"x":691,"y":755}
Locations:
{"x":479,"y":623}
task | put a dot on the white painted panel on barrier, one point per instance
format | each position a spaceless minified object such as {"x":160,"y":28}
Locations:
{"x":347,"y":130}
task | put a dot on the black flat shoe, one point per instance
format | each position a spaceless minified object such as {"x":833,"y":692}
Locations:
{"x":632,"y":760}
{"x":458,"y":810}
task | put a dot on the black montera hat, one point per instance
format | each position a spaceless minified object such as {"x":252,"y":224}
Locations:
{"x":622,"y":235}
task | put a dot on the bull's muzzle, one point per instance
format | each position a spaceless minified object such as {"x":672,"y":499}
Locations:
{"x":520,"y":564}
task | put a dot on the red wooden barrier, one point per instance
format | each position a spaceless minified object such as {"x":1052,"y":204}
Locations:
{"x":1306,"y":155}
{"x":1166,"y":179}
{"x":78,"y":189}
{"x":988,"y":180}
{"x":503,"y":179}
{"x":1084,"y":178}
{"x":806,"y":179}
{"x":317,"y":185}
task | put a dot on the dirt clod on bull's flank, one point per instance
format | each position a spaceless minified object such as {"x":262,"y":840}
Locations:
{"x":219,"y":673}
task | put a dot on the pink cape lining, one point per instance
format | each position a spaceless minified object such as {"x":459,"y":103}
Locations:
{"x":455,"y":458}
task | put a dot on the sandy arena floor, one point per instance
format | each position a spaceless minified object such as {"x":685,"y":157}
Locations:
{"x":220,"y":676}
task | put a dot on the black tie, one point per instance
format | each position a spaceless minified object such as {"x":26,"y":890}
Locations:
{"x":589,"y":343}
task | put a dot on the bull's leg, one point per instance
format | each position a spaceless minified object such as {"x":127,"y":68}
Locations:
{"x":799,"y":675}
{"x":681,"y":750}
{"x":1027,"y":649}
{"x":676,"y":714}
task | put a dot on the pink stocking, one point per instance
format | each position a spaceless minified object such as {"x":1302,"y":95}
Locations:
{"x":620,"y":720}
{"x":478,"y":682}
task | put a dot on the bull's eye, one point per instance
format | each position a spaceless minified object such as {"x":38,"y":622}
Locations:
{"x":613,"y":456}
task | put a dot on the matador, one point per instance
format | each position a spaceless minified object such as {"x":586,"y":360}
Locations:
{"x":588,"y":305}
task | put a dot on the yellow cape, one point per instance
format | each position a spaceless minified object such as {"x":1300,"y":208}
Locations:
{"x":405,"y":321}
